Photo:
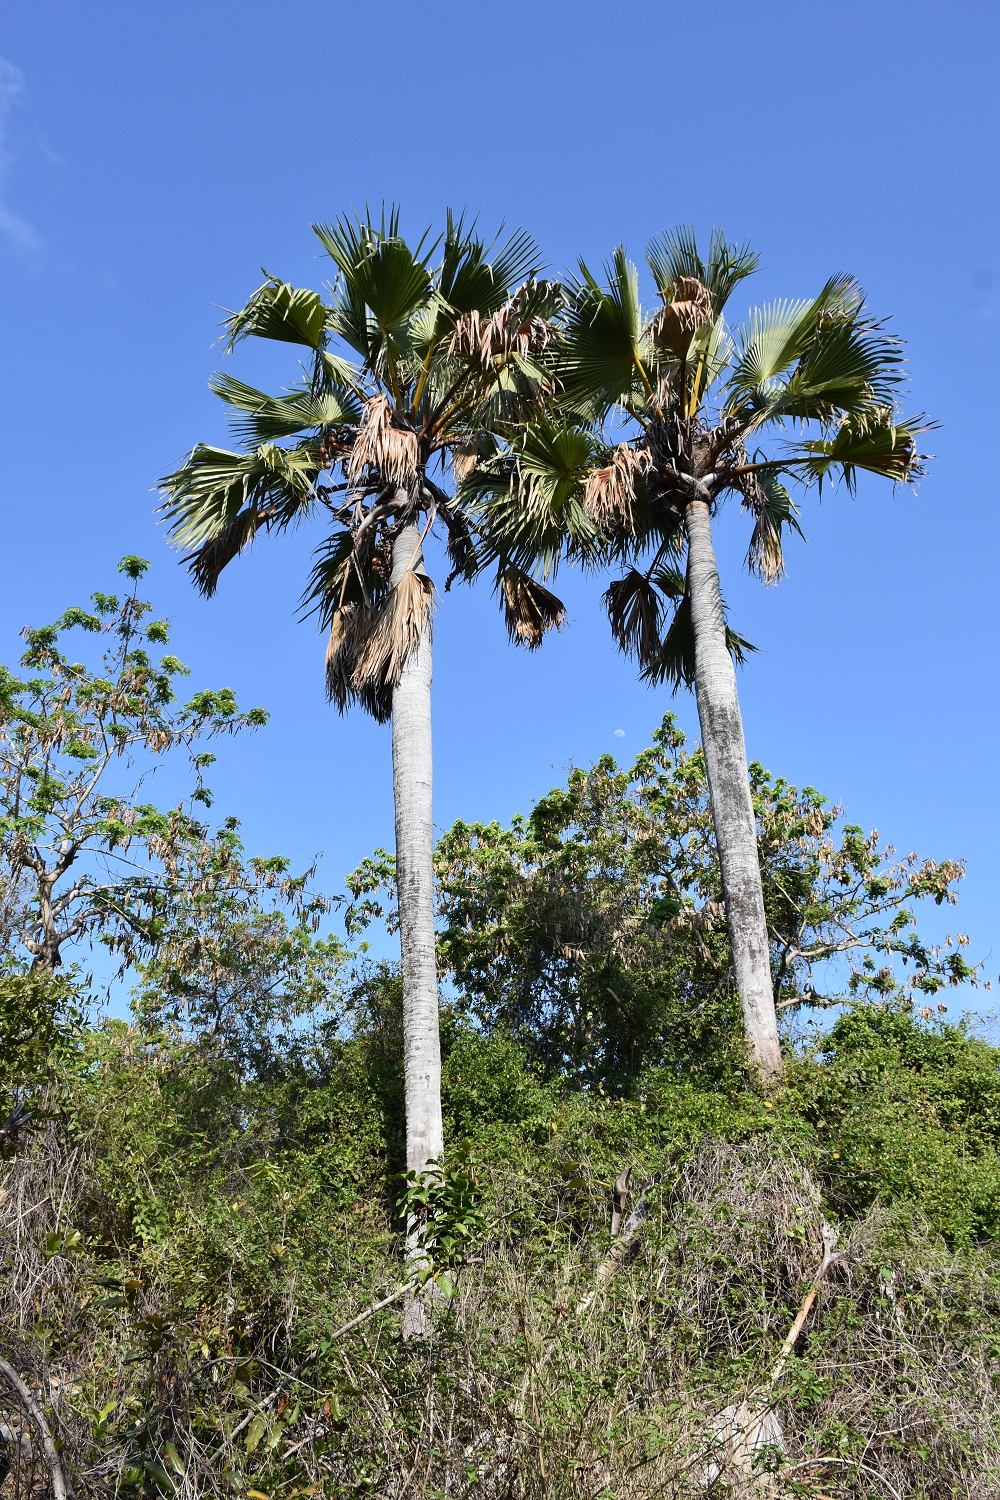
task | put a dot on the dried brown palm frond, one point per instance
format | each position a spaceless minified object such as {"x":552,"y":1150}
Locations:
{"x":368,"y":646}
{"x":529,"y":608}
{"x":677,"y":323}
{"x":349,"y":628}
{"x":515,"y":328}
{"x":396,"y":629}
{"x":463,"y":459}
{"x":635,"y":611}
{"x":384,"y":444}
{"x":610,"y":493}
{"x":773,"y":509}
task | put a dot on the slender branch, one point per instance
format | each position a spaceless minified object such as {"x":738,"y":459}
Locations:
{"x":61,"y":1488}
{"x":375,"y":1307}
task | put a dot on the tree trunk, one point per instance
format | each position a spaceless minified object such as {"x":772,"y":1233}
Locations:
{"x":729,"y":790}
{"x":412,"y":778}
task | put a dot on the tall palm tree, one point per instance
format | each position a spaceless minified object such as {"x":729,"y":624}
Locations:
{"x":418,"y":364}
{"x":661,"y":415}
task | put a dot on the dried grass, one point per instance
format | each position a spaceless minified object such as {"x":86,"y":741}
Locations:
{"x":892,"y":1390}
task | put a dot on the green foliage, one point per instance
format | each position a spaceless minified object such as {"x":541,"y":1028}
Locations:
{"x":73,"y":838}
{"x":594,"y":929}
{"x":908,"y":1112}
{"x":422,"y":362}
{"x":39,"y":1013}
{"x":663,"y":405}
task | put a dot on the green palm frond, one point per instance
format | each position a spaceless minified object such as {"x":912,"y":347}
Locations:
{"x":603,"y":356}
{"x":780,"y":334}
{"x":292,"y":315}
{"x":527,"y":503}
{"x":675,"y":254}
{"x":674,"y":663}
{"x":382,"y":284}
{"x":476,"y":276}
{"x":850,"y":364}
{"x":875,"y":439}
{"x":265,"y":419}
{"x":773,"y":338}
{"x":217,"y":501}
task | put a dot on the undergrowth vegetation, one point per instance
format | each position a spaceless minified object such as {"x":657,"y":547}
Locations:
{"x":182,"y":1243}
{"x":648,"y":1274}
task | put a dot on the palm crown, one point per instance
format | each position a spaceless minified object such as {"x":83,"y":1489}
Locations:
{"x":655,"y":409}
{"x":421,"y":362}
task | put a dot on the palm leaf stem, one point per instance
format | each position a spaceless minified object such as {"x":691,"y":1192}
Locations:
{"x":645,"y":379}
{"x":695,"y":397}
{"x":424,"y":374}
{"x":361,"y":576}
{"x":442,"y":412}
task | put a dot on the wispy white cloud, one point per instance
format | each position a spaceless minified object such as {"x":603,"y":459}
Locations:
{"x":18,"y":233}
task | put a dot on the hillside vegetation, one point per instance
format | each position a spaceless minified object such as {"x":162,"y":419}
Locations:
{"x":649,"y":1273}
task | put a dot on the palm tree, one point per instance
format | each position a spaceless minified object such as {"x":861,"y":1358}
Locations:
{"x":661,"y":415}
{"x":418,"y":365}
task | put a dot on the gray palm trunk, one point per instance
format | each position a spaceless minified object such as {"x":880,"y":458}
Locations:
{"x":729,"y":791}
{"x":412,"y":779}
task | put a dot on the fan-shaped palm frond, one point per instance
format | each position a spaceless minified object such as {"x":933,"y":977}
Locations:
{"x":264,"y":419}
{"x":527,"y":504}
{"x":674,"y":254}
{"x":603,"y":356}
{"x":218,"y":501}
{"x":475,"y":277}
{"x":674,"y":663}
{"x":876,"y":439}
{"x":849,"y":364}
{"x":277,"y":310}
{"x":382,"y":284}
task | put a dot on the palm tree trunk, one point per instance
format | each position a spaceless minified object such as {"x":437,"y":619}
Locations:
{"x":729,"y":790}
{"x":412,"y":779}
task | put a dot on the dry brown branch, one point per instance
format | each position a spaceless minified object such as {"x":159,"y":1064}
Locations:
{"x":61,"y":1489}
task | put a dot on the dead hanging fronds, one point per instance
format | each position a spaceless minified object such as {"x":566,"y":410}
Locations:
{"x":350,"y":627}
{"x":369,"y":645}
{"x":385,"y":445}
{"x":609,"y":497}
{"x":464,"y":457}
{"x":635,"y":611}
{"x":520,"y":326}
{"x":677,"y":323}
{"x":772,"y":508}
{"x":529,"y":608}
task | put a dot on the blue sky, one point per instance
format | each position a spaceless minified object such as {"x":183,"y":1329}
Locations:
{"x":152,"y":159}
